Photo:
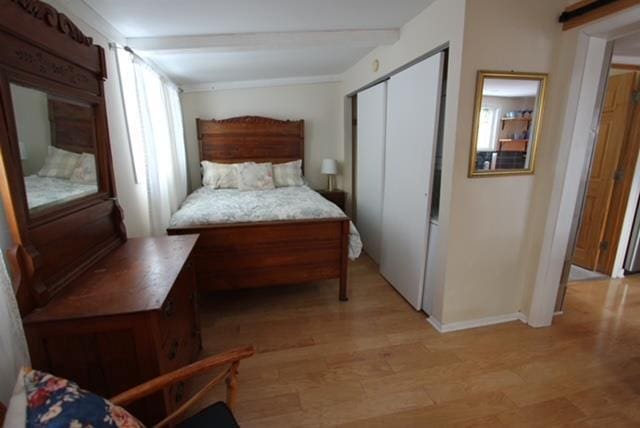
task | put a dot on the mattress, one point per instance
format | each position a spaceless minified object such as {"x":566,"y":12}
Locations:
{"x":43,"y":191}
{"x":208,"y":206}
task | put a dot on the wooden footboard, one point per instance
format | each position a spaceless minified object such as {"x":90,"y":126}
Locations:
{"x":247,"y":255}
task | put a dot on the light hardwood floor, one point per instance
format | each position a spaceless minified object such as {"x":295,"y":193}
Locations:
{"x":375,"y":362}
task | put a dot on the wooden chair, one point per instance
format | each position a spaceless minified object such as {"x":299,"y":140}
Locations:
{"x":230,"y":358}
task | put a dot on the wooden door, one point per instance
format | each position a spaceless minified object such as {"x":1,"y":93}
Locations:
{"x":611,"y":137}
{"x":413,"y":99}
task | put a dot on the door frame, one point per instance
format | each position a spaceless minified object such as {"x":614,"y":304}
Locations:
{"x":590,"y":70}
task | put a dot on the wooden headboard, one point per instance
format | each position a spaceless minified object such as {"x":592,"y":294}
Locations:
{"x":251,"y":139}
{"x":72,"y":126}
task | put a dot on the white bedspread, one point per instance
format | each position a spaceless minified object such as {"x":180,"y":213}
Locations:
{"x":210,"y":206}
{"x":46,"y":190}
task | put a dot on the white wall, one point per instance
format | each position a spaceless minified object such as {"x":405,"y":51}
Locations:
{"x":315,"y":103}
{"x":489,"y":216}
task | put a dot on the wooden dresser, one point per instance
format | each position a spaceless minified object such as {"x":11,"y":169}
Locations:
{"x":128,"y":319}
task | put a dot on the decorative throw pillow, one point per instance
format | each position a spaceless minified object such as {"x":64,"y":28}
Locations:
{"x":219,"y":175}
{"x":288,"y":174}
{"x":59,"y":163}
{"x":54,"y":402}
{"x":255,"y":176}
{"x":85,"y":172}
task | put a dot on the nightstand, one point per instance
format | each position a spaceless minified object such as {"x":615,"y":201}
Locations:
{"x":336,"y":196}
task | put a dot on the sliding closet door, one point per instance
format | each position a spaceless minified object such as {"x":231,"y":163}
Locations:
{"x":371,"y":130}
{"x":413,"y":98}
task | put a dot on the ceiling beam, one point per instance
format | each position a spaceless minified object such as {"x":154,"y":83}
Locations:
{"x":264,"y":41}
{"x":262,"y":83}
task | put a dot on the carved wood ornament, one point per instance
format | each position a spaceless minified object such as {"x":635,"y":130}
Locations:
{"x":53,"y":18}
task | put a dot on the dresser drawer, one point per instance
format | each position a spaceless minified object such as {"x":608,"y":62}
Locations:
{"x":178,"y":324}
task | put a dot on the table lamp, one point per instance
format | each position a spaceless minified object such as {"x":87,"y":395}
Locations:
{"x":330,"y":169}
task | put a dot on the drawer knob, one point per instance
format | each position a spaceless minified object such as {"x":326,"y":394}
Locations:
{"x":174,"y":349}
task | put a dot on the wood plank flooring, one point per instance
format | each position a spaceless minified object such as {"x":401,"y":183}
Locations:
{"x":375,"y":362}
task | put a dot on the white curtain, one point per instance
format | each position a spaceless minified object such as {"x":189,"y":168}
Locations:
{"x":13,"y":346}
{"x":154,"y":121}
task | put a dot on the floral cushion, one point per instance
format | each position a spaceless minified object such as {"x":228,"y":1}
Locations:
{"x":55,"y":402}
{"x":85,"y":171}
{"x":255,"y":176}
{"x":219,"y":175}
{"x":288,"y":174}
{"x":59,"y":163}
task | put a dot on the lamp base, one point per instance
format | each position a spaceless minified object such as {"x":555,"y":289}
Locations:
{"x":330,"y":183}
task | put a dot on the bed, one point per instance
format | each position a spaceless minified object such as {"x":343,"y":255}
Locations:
{"x":43,"y":192}
{"x":245,"y":251}
{"x":71,"y":130}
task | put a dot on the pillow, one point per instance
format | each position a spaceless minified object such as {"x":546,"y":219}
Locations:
{"x":85,"y":171}
{"x":288,"y":174}
{"x":219,"y":175}
{"x":255,"y":176}
{"x":59,"y":163}
{"x":44,"y":400}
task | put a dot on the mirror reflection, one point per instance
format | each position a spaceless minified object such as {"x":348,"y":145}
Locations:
{"x":57,"y":147}
{"x":508,"y":107}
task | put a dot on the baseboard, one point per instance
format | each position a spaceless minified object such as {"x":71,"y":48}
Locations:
{"x":480,"y":322}
{"x":435,"y":323}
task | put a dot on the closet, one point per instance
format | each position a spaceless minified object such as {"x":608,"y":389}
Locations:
{"x":371,"y":131}
{"x":397,"y":133}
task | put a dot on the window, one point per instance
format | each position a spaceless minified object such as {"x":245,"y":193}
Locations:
{"x":156,"y":137}
{"x":487,"y":129}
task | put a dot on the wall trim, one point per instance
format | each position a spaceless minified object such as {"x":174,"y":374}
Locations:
{"x":264,"y":83}
{"x":479,"y":322}
{"x":625,"y":59}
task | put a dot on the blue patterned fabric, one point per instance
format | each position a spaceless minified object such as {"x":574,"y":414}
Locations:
{"x":56,"y":402}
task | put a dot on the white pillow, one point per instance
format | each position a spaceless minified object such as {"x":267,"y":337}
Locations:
{"x":288,"y":174}
{"x":255,"y":176}
{"x":59,"y":163}
{"x":219,"y":175}
{"x":85,"y":172}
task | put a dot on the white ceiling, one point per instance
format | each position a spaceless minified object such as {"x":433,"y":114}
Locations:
{"x":312,"y":49}
{"x":153,"y":18}
{"x":510,"y":88}
{"x":198,"y":67}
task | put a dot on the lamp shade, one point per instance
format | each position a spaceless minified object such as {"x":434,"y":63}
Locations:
{"x":329,"y":166}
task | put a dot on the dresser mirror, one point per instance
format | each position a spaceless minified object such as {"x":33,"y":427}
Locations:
{"x":57,"y":147}
{"x":506,"y":126}
{"x":56,"y":174}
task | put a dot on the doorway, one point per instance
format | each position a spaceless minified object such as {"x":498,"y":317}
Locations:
{"x":600,"y":243}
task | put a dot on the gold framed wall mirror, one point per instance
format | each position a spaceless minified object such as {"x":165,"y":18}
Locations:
{"x":506,"y":124}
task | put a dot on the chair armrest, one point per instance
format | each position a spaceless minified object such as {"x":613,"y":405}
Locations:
{"x":181,"y":374}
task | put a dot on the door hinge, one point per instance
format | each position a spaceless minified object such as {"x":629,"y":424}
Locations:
{"x":604,"y":245}
{"x":618,"y":175}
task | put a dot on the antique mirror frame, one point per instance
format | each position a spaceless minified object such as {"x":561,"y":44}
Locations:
{"x":42,"y":49}
{"x":535,"y":126}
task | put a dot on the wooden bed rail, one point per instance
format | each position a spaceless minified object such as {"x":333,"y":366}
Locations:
{"x":231,"y":358}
